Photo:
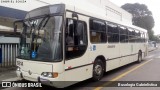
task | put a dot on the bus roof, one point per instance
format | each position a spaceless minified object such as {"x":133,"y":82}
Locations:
{"x":101,"y":9}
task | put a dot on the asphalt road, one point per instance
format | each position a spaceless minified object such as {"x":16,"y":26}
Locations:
{"x":148,"y":70}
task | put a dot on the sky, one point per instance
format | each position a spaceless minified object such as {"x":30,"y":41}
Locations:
{"x":153,"y":6}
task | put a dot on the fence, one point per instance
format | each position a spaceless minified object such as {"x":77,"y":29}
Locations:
{"x":9,"y":53}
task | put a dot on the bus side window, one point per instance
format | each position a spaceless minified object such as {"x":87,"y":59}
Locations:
{"x":113,"y":33}
{"x":80,"y":32}
{"x":76,"y":38}
{"x":123,"y":34}
{"x":69,"y":35}
{"x":97,"y":31}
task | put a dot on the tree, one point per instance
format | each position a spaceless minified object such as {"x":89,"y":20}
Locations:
{"x":142,"y":17}
{"x":151,"y":35}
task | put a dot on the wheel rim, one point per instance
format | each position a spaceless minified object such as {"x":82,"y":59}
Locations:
{"x":98,"y":70}
{"x":140,"y":58}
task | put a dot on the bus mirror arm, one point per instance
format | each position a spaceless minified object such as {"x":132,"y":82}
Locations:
{"x":15,"y":25}
{"x":15,"y":28}
{"x":74,"y":15}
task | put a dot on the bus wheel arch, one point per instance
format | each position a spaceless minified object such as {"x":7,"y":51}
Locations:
{"x":99,"y":67}
{"x":139,"y":56}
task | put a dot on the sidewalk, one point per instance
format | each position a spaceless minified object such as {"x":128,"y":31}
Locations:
{"x":8,"y":74}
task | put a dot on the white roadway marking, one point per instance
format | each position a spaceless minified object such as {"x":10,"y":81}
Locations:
{"x":150,"y":56}
{"x":158,"y":57}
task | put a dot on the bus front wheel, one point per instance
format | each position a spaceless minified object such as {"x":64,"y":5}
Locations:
{"x":98,"y":70}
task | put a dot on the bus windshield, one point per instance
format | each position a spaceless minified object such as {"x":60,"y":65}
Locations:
{"x":41,"y":39}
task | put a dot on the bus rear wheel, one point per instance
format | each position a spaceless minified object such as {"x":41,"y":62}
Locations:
{"x":98,"y":70}
{"x":139,"y":57}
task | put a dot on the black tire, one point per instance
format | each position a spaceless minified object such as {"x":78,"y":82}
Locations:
{"x":139,"y":57}
{"x":98,"y":70}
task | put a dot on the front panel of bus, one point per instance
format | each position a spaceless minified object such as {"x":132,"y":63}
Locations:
{"x":40,"y":56}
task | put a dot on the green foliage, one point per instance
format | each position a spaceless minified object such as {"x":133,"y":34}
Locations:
{"x":156,"y":39}
{"x":146,"y":22}
{"x":152,"y":37}
{"x":142,"y":17}
{"x":137,"y":10}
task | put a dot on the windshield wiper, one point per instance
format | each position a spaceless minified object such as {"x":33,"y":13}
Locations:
{"x":41,"y":23}
{"x":35,"y":37}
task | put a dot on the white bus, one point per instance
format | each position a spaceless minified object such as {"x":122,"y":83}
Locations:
{"x":61,"y":46}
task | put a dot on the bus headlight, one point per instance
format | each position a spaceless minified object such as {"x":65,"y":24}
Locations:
{"x":50,"y":74}
{"x":18,"y":68}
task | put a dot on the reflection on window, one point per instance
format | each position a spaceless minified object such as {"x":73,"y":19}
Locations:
{"x":42,"y":40}
{"x":131,"y":35}
{"x":113,"y":33}
{"x":123,"y":34}
{"x":97,"y":31}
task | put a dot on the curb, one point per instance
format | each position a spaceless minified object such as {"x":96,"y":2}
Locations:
{"x":10,"y":80}
{"x":7,"y":69}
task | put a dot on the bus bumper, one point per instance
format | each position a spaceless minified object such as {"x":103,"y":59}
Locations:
{"x":55,"y":82}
